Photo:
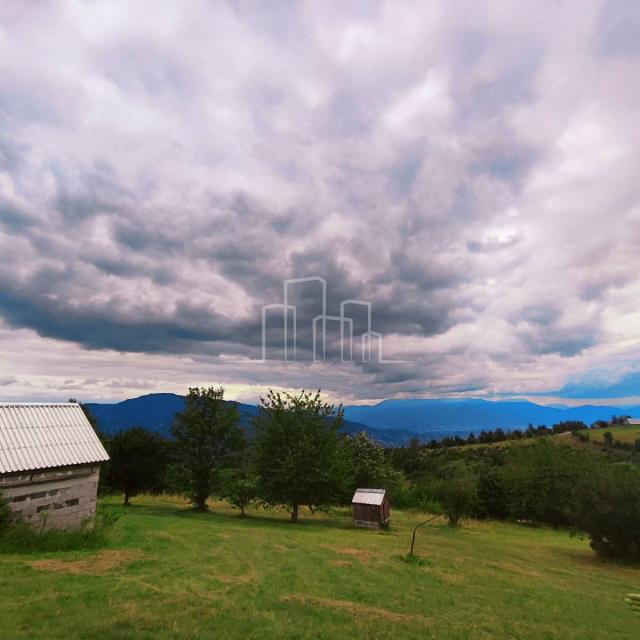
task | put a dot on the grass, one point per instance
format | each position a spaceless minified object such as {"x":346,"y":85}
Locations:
{"x":166,"y":573}
{"x":624,"y":433}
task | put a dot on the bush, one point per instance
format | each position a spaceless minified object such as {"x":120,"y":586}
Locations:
{"x":23,"y":537}
{"x":607,"y":509}
{"x":6,"y":515}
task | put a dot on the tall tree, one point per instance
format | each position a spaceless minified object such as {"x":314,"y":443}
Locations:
{"x":368,"y":465}
{"x":297,"y":450}
{"x":138,"y":461}
{"x":207,"y":435}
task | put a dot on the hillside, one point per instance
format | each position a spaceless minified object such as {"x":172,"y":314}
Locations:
{"x":170,"y":574}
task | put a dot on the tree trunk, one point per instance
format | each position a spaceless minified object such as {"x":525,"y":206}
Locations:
{"x":294,"y":513}
{"x":242,"y":513}
{"x":126,"y":498}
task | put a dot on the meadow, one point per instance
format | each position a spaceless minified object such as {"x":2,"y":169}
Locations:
{"x":164,"y":572}
{"x":623,"y":433}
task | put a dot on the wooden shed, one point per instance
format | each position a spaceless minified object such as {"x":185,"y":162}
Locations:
{"x":371,"y":508}
{"x":50,"y":462}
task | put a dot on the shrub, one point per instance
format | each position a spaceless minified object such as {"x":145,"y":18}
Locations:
{"x":6,"y":515}
{"x":23,"y":537}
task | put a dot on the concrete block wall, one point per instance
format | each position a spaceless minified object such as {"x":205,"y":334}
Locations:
{"x":58,"y":498}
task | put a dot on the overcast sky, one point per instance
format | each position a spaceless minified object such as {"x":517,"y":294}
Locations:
{"x":471,"y":168}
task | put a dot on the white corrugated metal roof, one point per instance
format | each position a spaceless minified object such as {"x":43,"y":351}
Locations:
{"x":368,"y":496}
{"x":42,"y":436}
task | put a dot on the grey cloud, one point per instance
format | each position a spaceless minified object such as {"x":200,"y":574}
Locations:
{"x":157,"y":193}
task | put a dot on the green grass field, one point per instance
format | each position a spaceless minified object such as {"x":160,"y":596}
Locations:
{"x":167,"y":573}
{"x":625,"y":433}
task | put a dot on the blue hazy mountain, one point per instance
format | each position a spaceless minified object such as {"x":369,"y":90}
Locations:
{"x":156,"y":412}
{"x":391,"y":422}
{"x":432,"y":418}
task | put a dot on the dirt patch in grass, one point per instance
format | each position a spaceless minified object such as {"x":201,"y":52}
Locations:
{"x":342,"y":563}
{"x":360,"y":554}
{"x":102,"y":562}
{"x":357,"y":609}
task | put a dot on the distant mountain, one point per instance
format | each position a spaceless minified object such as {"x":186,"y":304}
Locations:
{"x":156,"y":412}
{"x":392,"y":422}
{"x":439,"y":418}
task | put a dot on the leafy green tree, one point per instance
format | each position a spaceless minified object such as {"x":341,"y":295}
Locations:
{"x":493,"y":500}
{"x":297,"y":445}
{"x":208,"y":437}
{"x":541,"y":478}
{"x":606,"y":507}
{"x":368,"y":466}
{"x":240,"y":487}
{"x":456,"y":491}
{"x":138,"y":461}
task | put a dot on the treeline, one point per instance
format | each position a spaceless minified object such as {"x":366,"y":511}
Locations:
{"x":540,"y":483}
{"x":500,"y":435}
{"x":298,"y":455}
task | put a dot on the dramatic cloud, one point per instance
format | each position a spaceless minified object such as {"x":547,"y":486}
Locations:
{"x":469,"y":168}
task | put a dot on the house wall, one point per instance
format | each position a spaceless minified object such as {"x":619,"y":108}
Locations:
{"x":53,"y":498}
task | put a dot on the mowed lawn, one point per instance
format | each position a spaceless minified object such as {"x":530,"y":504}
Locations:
{"x":167,"y":573}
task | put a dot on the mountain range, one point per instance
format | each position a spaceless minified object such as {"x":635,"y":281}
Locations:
{"x":391,"y":422}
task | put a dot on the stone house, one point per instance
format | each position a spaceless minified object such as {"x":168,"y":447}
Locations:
{"x":50,"y":462}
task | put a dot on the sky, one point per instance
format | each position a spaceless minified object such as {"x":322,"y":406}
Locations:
{"x":469,"y":168}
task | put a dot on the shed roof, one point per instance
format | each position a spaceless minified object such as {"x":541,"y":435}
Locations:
{"x":368,"y":496}
{"x":43,"y":436}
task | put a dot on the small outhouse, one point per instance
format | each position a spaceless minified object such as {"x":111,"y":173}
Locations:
{"x":50,"y":461}
{"x":371,"y":508}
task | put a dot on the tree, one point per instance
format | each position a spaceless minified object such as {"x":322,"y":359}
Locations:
{"x":297,"y":451}
{"x":540,"y":480}
{"x":368,"y":466}
{"x":138,"y":461}
{"x":208,"y":436}
{"x":456,"y":491}
{"x":240,"y":488}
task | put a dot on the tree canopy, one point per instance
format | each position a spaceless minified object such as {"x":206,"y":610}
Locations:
{"x":297,"y":450}
{"x":207,"y":436}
